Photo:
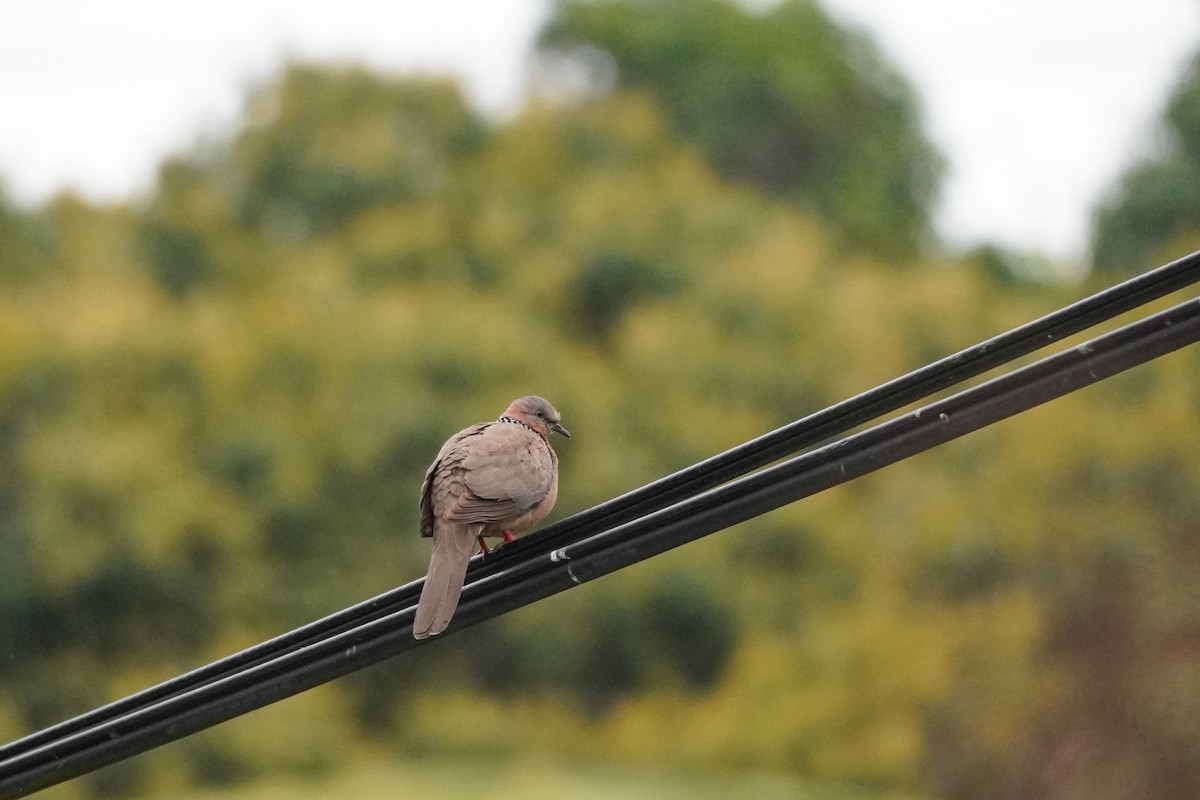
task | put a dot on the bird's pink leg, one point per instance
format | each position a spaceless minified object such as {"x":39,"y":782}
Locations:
{"x":507,"y":536}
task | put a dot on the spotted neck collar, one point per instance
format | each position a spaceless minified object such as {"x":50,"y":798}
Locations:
{"x":516,"y":421}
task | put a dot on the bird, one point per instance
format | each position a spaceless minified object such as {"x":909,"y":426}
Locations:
{"x":493,"y":479}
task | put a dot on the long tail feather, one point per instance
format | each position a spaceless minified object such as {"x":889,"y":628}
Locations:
{"x":453,"y":546}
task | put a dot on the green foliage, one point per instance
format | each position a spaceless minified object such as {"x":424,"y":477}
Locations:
{"x":1153,"y":213}
{"x":25,"y":246}
{"x":608,"y":286}
{"x":691,"y":628}
{"x":213,"y":425}
{"x":771,"y":96}
{"x":1157,"y":203}
{"x":326,"y":144}
{"x":178,"y":257}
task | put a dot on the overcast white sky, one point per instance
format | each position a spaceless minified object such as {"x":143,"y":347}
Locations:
{"x":1037,"y":104}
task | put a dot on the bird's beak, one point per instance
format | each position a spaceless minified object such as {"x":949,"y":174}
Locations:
{"x":558,"y":428}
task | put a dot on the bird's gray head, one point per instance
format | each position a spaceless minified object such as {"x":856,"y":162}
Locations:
{"x":537,"y":413}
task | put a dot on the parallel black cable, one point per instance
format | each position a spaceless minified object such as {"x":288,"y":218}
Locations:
{"x":885,"y":444}
{"x":828,"y":423}
{"x":836,"y":420}
{"x":540,"y":576}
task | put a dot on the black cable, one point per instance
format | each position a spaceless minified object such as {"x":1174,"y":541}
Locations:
{"x":544,"y":574}
{"x":830,"y":422}
{"x":885,"y":444}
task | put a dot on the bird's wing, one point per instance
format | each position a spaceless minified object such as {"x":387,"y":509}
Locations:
{"x":439,"y":471}
{"x":507,"y":470}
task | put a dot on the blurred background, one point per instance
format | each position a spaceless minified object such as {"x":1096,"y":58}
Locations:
{"x":258,"y":260}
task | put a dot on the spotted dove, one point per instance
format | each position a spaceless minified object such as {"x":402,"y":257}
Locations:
{"x":493,"y":479}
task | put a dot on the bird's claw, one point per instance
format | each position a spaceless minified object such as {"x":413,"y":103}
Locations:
{"x":506,"y":536}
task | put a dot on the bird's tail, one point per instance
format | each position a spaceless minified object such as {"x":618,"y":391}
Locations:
{"x":453,"y":546}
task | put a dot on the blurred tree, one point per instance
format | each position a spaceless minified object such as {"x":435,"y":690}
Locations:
{"x":691,"y":629}
{"x":178,"y":257}
{"x":26,"y":246}
{"x":1153,"y":212}
{"x":608,"y":286}
{"x":783,"y":98}
{"x":323,"y":144}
